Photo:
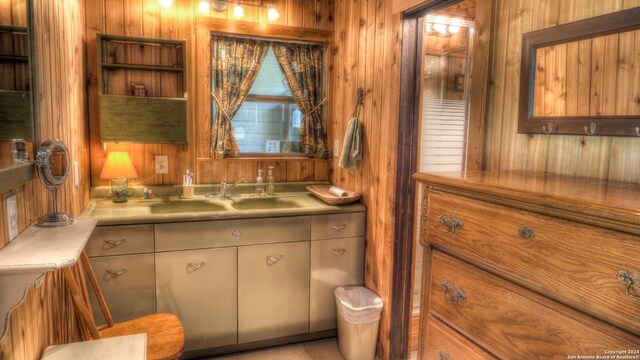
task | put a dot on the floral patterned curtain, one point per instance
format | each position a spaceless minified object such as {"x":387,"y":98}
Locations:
{"x":302,"y":65}
{"x":235,"y":63}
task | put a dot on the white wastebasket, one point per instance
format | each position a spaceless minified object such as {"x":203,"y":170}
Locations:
{"x":358,"y":320}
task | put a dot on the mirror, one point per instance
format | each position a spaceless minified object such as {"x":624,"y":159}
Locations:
{"x":52,"y":161}
{"x":17,"y":136}
{"x":583,"y":78}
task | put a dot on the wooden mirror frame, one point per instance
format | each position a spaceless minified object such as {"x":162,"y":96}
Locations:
{"x":616,"y":125}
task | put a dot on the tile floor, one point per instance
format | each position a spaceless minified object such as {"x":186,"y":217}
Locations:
{"x":326,"y":349}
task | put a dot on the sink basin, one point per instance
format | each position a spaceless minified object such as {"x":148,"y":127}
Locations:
{"x":264,"y":203}
{"x":184,"y":206}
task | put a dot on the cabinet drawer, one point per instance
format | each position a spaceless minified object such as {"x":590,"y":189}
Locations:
{"x":571,"y":262}
{"x":120,"y":240}
{"x":336,"y":262}
{"x":128,"y":285}
{"x":208,"y":234}
{"x":444,"y":343}
{"x":512,"y":322}
{"x":337,"y":226}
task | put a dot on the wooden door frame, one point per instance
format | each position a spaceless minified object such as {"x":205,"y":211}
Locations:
{"x":408,"y":144}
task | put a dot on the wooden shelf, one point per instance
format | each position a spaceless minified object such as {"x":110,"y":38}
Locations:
{"x":14,"y":58}
{"x":142,"y":67}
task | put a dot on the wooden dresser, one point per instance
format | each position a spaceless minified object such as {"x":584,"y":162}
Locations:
{"x":529,"y":266}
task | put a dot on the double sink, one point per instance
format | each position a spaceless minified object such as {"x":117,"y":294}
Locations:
{"x":208,"y":205}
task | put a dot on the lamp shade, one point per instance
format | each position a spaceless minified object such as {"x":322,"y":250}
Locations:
{"x":118,"y":166}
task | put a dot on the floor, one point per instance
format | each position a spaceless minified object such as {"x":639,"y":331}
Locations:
{"x":326,"y":349}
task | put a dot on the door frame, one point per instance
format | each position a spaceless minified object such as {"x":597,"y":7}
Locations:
{"x":408,"y":145}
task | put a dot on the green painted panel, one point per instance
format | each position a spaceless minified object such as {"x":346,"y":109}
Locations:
{"x":15,"y":115}
{"x":143,"y":119}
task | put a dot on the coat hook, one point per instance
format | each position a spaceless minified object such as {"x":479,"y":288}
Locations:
{"x":637,"y":131}
{"x":548,"y":129}
{"x":591,"y":129}
{"x":360,"y":95}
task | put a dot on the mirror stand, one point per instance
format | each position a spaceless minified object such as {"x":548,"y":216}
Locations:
{"x":53,"y":168}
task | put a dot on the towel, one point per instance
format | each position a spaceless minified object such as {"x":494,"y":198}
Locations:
{"x":352,"y":146}
{"x":336,"y":191}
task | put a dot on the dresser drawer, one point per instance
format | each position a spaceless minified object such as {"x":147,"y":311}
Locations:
{"x":444,"y":343}
{"x":571,"y":262}
{"x":120,"y":240}
{"x":337,"y":226}
{"x":220,"y":233}
{"x":512,"y":322}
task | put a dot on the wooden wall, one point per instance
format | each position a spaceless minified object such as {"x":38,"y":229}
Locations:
{"x":366,"y":53}
{"x":614,"y":158}
{"x":147,"y":18}
{"x":46,"y":316}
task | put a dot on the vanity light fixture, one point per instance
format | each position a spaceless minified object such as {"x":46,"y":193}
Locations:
{"x":238,"y":11}
{"x":446,"y":26}
{"x":166,"y":3}
{"x":205,"y":7}
{"x":119,"y":169}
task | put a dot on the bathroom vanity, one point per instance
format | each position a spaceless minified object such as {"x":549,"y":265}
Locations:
{"x":239,"y":273}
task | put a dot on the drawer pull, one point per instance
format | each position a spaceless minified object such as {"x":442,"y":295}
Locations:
{"x":116,"y":273}
{"x":526,"y":232}
{"x":273,"y":259}
{"x":338,"y":252}
{"x":339,"y":228}
{"x":632,"y":281}
{"x":450,"y":223}
{"x":236,"y":233}
{"x":114,"y":243}
{"x":443,"y":355}
{"x":452,"y":293}
{"x":191,"y":267}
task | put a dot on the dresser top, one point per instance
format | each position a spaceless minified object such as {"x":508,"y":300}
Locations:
{"x":589,"y":200}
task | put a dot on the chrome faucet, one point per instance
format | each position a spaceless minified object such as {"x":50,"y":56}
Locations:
{"x":225,"y":188}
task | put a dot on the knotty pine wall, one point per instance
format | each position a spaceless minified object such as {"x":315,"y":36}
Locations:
{"x":46,"y":316}
{"x":614,"y":158}
{"x":366,"y":52}
{"x":147,"y":18}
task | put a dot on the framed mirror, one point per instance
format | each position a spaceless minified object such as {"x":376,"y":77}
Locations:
{"x":582,"y":78}
{"x":17,"y":91}
{"x":53,"y":162}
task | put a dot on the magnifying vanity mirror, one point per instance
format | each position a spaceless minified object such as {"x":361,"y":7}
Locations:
{"x":52,"y":161}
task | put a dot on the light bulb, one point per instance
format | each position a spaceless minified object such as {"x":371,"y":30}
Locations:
{"x":428,"y":27}
{"x":238,"y":11}
{"x":440,"y":28}
{"x":272,"y":14}
{"x":453,"y":29}
{"x":165,"y":3}
{"x":204,"y":7}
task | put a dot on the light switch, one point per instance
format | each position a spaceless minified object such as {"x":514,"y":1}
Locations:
{"x":76,"y":176}
{"x":336,"y":147}
{"x":162,"y":164}
{"x":12,"y":217}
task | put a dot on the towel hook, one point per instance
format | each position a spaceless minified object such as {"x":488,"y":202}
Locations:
{"x":637,"y":131}
{"x":360,"y":94}
{"x":591,"y":129}
{"x":548,"y":129}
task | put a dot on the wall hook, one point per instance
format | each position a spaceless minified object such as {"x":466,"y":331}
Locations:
{"x":591,"y":129}
{"x":548,"y":129}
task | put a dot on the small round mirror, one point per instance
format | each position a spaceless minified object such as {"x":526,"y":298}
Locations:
{"x":52,"y":161}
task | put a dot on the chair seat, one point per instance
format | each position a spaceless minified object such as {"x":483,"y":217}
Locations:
{"x":165,"y":337}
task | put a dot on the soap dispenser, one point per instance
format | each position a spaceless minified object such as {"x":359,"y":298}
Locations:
{"x":271,"y":186}
{"x":259,"y":191}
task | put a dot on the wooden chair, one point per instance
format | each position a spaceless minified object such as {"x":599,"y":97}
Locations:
{"x":165,"y":337}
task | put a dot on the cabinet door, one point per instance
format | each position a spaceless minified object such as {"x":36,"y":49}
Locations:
{"x":273,"y":291}
{"x":200,"y":287}
{"x":336,"y":262}
{"x":127,"y":282}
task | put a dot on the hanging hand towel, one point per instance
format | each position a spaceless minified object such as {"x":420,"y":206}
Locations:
{"x":352,"y":146}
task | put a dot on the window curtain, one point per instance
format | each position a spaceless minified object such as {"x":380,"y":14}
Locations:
{"x":235,"y":64}
{"x":302,"y":65}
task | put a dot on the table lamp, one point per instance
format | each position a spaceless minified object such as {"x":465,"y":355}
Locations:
{"x":119,"y":169}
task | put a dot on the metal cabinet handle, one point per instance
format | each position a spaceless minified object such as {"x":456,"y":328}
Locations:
{"x":338,"y":252}
{"x":525,"y":232}
{"x":191,"y":267}
{"x":443,"y":355}
{"x":632,"y":289}
{"x":114,"y":243}
{"x":452,"y":293}
{"x":116,"y":273}
{"x":273,"y":259}
{"x":237,"y":233}
{"x":339,"y":228}
{"x":450,"y":223}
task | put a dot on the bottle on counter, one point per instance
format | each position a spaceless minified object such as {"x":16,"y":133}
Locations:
{"x":146,"y":193}
{"x":259,"y":190}
{"x":271,"y":186}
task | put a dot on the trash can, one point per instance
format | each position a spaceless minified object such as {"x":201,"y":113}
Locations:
{"x":358,"y":320}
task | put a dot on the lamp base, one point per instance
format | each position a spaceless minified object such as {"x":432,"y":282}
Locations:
{"x":119,"y":190}
{"x":55,"y":219}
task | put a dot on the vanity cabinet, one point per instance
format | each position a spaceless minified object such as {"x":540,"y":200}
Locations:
{"x":200,"y":287}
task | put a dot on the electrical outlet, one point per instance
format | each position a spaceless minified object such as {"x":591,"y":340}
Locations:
{"x":336,"y":147}
{"x":12,"y":216}
{"x":162,"y":164}
{"x":76,"y":175}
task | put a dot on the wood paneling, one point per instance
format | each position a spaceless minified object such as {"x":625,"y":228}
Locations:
{"x":46,"y":316}
{"x":597,"y":156}
{"x":182,"y":21}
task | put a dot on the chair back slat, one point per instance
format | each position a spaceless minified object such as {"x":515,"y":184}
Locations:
{"x":96,"y":288}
